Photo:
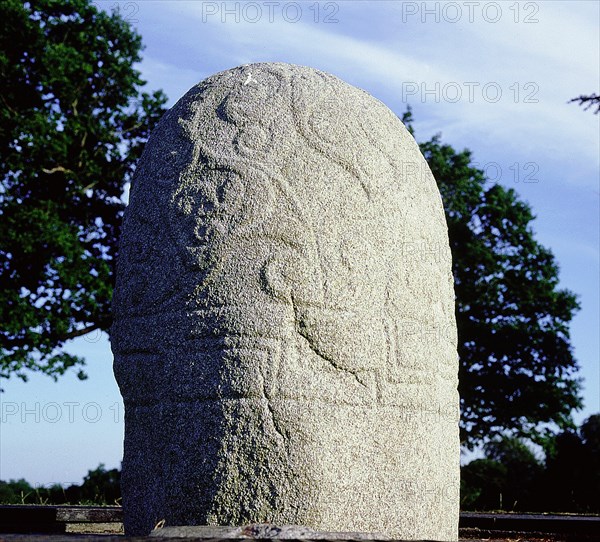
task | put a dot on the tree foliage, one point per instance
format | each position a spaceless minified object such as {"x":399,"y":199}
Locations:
{"x":517,"y":370}
{"x":573,"y":469}
{"x":73,"y":121}
{"x":100,"y":486}
{"x":510,"y":477}
{"x":481,"y":485}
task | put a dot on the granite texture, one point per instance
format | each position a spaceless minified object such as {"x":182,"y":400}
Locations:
{"x":284,"y":332}
{"x":260,"y":531}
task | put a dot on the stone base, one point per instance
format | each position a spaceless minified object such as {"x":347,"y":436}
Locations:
{"x":258,"y":531}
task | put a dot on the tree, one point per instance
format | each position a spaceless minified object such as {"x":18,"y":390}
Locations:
{"x":590,"y":486}
{"x":523,"y":472}
{"x":481,"y":484}
{"x":73,"y":122}
{"x":100,"y":486}
{"x":16,"y":492}
{"x":572,"y":478}
{"x":517,"y":370}
{"x":564,"y":472}
{"x":511,"y":477}
{"x":507,"y":478}
{"x":587,"y":102}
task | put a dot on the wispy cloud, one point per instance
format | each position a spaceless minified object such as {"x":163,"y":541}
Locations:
{"x":525,"y":63}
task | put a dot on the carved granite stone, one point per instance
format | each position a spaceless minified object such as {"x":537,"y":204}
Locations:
{"x":284,"y":332}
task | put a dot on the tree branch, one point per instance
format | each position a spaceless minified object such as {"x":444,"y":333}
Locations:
{"x":588,"y":101}
{"x":57,"y":169}
{"x":79,"y":332}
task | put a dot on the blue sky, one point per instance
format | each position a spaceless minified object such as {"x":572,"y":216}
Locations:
{"x":490,"y":76}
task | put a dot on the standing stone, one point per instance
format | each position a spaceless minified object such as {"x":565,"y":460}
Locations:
{"x":284,"y":332}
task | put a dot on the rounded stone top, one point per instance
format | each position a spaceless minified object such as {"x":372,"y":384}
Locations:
{"x":276,"y":197}
{"x":286,"y":199}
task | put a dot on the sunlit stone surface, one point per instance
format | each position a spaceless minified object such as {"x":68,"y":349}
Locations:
{"x":284,"y":331}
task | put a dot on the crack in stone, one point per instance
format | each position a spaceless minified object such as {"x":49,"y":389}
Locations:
{"x":270,"y":407}
{"x":315,"y":348}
